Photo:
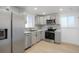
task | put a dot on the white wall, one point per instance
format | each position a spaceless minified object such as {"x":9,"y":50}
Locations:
{"x":17,"y":10}
{"x":71,"y":34}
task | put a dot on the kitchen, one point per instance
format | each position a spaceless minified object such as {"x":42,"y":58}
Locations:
{"x":39,"y":31}
{"x":46,"y":29}
{"x":48,"y":19}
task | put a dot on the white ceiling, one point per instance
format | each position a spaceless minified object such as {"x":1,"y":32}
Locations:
{"x":46,"y":9}
{"x":51,"y":9}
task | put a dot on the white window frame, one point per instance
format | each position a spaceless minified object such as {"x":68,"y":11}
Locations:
{"x":30,"y":21}
{"x":65,"y":22}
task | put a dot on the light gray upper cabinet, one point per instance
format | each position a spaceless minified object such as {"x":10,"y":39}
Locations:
{"x":40,"y":20}
{"x":57,"y":19}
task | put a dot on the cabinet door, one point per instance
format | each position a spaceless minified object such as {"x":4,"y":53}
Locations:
{"x":38,"y":36}
{"x":57,"y":37}
{"x":33,"y":37}
{"x":44,"y":20}
{"x":41,"y":20}
{"x":43,"y":35}
{"x":57,"y":19}
{"x":37,"y":20}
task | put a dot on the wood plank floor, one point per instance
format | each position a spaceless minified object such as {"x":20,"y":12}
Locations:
{"x":47,"y":47}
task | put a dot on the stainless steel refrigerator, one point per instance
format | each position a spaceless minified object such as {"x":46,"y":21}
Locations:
{"x":11,"y":32}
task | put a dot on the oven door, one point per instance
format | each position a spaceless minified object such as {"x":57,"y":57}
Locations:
{"x":50,"y":35}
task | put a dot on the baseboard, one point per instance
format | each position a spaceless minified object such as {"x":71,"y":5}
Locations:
{"x":27,"y":48}
{"x":70,"y":43}
{"x":36,"y":42}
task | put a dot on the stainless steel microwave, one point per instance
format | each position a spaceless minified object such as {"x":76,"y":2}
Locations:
{"x":3,"y":34}
{"x":50,"y":22}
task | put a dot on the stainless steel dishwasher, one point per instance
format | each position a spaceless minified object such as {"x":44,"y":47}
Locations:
{"x":28,"y":40}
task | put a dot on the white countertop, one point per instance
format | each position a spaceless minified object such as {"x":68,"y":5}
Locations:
{"x":28,"y":32}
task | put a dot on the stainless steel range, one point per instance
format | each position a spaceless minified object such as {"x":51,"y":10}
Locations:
{"x":50,"y":34}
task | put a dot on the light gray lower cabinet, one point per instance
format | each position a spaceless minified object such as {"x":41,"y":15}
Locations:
{"x":57,"y":37}
{"x":28,"y":41}
{"x":43,"y":35}
{"x":38,"y":36}
{"x":34,"y":39}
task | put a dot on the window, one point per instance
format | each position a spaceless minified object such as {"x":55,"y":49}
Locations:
{"x":63,"y":21}
{"x":67,"y":21}
{"x":71,"y":21}
{"x":29,"y":21}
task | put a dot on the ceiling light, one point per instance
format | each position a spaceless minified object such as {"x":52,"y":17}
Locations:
{"x":61,"y":9}
{"x":44,"y":13}
{"x":35,"y":8}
